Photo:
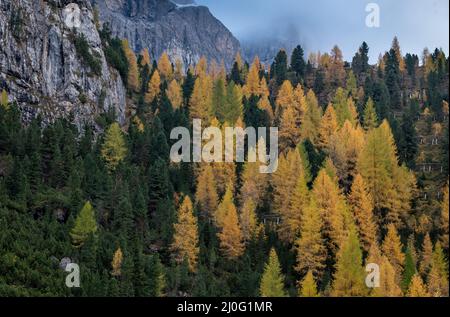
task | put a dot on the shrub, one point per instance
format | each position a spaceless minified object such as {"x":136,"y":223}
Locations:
{"x":90,"y":60}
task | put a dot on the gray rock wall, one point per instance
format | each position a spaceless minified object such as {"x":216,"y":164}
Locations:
{"x":40,"y":67}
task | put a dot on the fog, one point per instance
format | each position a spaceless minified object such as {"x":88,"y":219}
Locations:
{"x":320,"y":24}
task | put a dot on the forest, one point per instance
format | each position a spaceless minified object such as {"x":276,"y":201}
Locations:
{"x":362,"y":178}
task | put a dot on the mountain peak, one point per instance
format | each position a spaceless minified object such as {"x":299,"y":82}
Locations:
{"x":186,"y":34}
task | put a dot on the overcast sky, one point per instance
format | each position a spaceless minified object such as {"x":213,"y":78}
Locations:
{"x":319,"y":24}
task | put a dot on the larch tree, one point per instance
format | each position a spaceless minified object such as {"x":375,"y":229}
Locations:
{"x":310,"y":246}
{"x":230,"y":234}
{"x":178,"y":71}
{"x":444,"y":219}
{"x":388,"y":280}
{"x":289,"y":227}
{"x":284,"y":180}
{"x":133,"y":72}
{"x":85,"y":225}
{"x":392,"y":249}
{"x":370,"y":118}
{"x":254,"y":183}
{"x":114,"y":149}
{"x":200,"y":104}
{"x":398,"y":54}
{"x":341,"y":107}
{"x":438,"y":277}
{"x":206,"y":195}
{"x":263,"y":88}
{"x":285,"y":98}
{"x":264,"y":104}
{"x":165,"y":67}
{"x":336,"y":69}
{"x":4,"y":99}
{"x":417,"y":288}
{"x":350,"y":276}
{"x":116,"y":262}
{"x":146,"y":60}
{"x":313,"y":116}
{"x":344,"y":149}
{"x":252,"y":85}
{"x":308,"y":287}
{"x":248,"y":220}
{"x":332,"y":208}
{"x":361,"y":204}
{"x":426,"y":256}
{"x":272,"y":281}
{"x":175,"y":94}
{"x":225,"y":204}
{"x":289,"y":134}
{"x":328,"y":126}
{"x":390,"y":185}
{"x":185,"y":239}
{"x":153,"y":88}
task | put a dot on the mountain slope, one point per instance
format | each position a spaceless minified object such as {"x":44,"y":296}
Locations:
{"x":43,"y":70}
{"x":183,"y":29}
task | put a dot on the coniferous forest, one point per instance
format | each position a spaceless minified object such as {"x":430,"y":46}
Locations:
{"x":362,"y":178}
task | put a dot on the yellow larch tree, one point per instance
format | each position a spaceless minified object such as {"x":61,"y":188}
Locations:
{"x":230,"y":234}
{"x":284,"y":180}
{"x":344,"y":149}
{"x":178,"y":71}
{"x":201,"y":68}
{"x":310,"y":246}
{"x":153,"y":88}
{"x":264,"y":104}
{"x":310,"y":125}
{"x":252,"y":85}
{"x":263,"y":88}
{"x":426,"y":256}
{"x":328,"y":126}
{"x":206,"y":195}
{"x":114,"y":149}
{"x":332,"y":208}
{"x":225,"y":204}
{"x":254,"y":183}
{"x":185,"y":239}
{"x":417,"y":287}
{"x":165,"y":67}
{"x":289,"y":228}
{"x":145,"y":60}
{"x":392,"y":249}
{"x":308,"y":287}
{"x":133,"y":72}
{"x":444,"y":219}
{"x":285,"y":98}
{"x":388,"y":280}
{"x":248,"y":220}
{"x":200,"y":104}
{"x":361,"y":204}
{"x":175,"y":94}
{"x":116,"y":263}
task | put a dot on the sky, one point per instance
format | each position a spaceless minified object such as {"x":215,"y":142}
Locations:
{"x":320,"y":24}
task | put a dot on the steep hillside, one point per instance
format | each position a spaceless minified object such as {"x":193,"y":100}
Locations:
{"x":52,"y":62}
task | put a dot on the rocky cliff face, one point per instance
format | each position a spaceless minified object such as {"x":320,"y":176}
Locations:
{"x":180,"y":27}
{"x":43,"y":71}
